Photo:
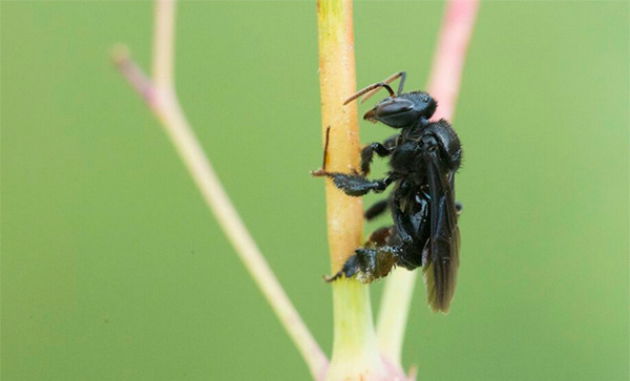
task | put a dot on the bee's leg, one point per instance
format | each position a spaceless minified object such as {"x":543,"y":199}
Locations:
{"x":377,"y":209}
{"x":356,"y":185}
{"x":369,"y":264}
{"x":373,"y":261}
{"x":381,"y":149}
{"x":367,"y":153}
{"x":349,"y":269}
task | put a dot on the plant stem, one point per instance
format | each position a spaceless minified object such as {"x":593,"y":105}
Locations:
{"x":354,"y":337}
{"x":337,"y":82}
{"x":444,"y":83}
{"x":355,"y":353}
{"x":393,"y":313}
{"x":450,"y":56}
{"x":163,"y":44}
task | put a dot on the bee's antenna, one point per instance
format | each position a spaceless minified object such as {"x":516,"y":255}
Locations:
{"x":372,"y":89}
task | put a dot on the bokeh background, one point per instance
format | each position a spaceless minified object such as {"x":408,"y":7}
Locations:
{"x":113,"y":268}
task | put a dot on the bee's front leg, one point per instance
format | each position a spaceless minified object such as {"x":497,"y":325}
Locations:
{"x":356,"y":185}
{"x":381,"y":149}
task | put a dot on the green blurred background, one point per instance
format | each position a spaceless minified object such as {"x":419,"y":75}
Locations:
{"x":113,"y":268}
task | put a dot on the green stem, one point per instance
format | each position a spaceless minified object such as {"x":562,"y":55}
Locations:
{"x":355,"y":353}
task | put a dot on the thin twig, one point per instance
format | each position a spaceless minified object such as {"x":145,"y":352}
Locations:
{"x":444,"y":83}
{"x":163,"y":43}
{"x":450,"y":56}
{"x":161,"y":97}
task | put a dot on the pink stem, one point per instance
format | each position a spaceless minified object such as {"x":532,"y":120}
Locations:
{"x":448,"y":62}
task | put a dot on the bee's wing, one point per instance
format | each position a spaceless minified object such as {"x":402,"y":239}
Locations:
{"x":442,"y":248}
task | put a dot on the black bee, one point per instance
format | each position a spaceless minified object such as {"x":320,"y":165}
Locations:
{"x":424,"y":157}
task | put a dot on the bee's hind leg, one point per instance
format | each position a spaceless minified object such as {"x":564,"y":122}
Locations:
{"x":376,"y":210}
{"x":371,"y":262}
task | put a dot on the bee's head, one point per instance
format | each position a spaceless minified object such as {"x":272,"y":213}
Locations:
{"x":404,"y":110}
